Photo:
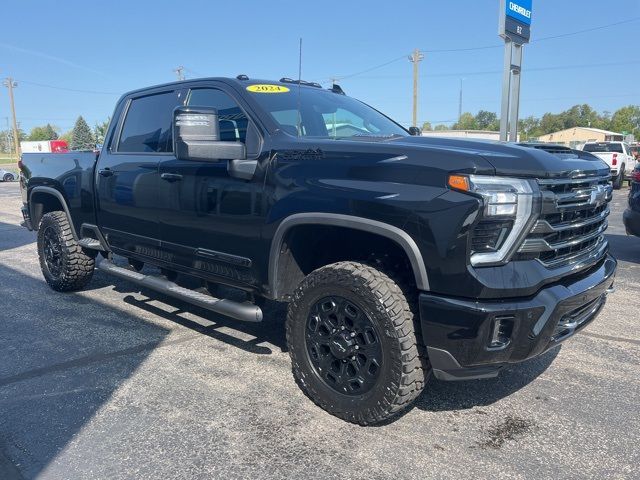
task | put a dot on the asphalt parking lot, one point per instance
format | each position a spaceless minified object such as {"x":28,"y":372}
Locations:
{"x":112,"y":383}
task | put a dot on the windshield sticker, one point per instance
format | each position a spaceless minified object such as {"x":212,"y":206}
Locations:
{"x":267,"y":89}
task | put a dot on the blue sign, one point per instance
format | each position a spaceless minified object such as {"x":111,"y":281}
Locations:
{"x":519,"y":10}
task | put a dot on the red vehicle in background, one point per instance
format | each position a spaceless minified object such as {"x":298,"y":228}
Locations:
{"x":45,"y":146}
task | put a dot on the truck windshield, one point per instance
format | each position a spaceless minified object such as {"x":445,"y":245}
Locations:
{"x":324,"y":114}
{"x":603,"y":147}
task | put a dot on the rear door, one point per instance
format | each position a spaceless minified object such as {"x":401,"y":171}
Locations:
{"x":128,"y":176}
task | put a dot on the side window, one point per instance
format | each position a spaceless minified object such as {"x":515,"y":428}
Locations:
{"x":147,"y":126}
{"x":345,"y":123}
{"x":233,"y":122}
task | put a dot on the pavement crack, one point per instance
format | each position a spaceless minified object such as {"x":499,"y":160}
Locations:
{"x":632,"y":341}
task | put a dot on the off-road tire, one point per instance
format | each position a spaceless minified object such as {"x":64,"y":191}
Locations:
{"x":404,"y":369}
{"x":76,"y":264}
{"x":8,"y":177}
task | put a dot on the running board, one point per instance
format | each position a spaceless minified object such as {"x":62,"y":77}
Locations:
{"x":240,"y":311}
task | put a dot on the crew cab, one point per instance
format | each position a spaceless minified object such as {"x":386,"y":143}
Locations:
{"x":399,"y":255}
{"x":631,"y":216}
{"x":617,"y":155}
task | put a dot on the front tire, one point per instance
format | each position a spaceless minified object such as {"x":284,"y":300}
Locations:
{"x":353,"y":343}
{"x":65,"y":265}
{"x":8,"y":177}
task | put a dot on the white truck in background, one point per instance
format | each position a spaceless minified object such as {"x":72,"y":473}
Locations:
{"x":617,"y":155}
{"x":44,"y":146}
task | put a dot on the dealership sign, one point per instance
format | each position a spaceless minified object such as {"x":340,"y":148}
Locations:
{"x":515,"y":20}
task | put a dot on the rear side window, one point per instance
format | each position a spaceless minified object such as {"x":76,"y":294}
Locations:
{"x":147,"y":126}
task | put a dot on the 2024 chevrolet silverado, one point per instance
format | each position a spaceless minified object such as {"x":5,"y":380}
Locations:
{"x":399,"y":255}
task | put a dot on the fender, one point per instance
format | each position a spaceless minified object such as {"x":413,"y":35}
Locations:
{"x":63,"y":202}
{"x":395,"y":234}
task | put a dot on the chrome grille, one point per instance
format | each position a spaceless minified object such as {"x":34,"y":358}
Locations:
{"x":572,"y":221}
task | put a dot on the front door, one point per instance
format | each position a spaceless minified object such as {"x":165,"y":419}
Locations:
{"x":128,"y":178}
{"x":210,"y":222}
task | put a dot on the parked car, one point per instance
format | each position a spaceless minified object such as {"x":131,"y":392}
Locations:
{"x":617,"y":155}
{"x":631,"y":215}
{"x":7,"y":176}
{"x":399,"y":255}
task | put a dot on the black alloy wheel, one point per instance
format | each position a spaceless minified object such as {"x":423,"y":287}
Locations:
{"x":343,"y":346}
{"x":52,"y":252}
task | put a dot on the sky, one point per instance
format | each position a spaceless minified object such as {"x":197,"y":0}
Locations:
{"x":75,"y":58}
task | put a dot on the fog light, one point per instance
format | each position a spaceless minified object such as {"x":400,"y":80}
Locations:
{"x":501,"y":331}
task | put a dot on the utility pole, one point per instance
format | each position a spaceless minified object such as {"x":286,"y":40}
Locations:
{"x":9,"y":138}
{"x":10,"y":84}
{"x":179,"y":71}
{"x":460,"y":101}
{"x":415,"y":58}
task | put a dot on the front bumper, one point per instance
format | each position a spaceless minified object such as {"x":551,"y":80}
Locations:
{"x":631,"y":220}
{"x":468,"y":339}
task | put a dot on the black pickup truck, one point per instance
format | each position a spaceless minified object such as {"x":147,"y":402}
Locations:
{"x":399,"y":255}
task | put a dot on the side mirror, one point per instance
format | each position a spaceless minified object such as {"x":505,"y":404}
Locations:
{"x":196,"y":136}
{"x":415,"y":131}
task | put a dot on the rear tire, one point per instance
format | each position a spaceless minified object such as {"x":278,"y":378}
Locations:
{"x":617,"y":182}
{"x":65,"y":264}
{"x":353,"y":343}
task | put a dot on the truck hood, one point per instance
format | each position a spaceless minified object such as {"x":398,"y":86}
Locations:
{"x":516,"y":161}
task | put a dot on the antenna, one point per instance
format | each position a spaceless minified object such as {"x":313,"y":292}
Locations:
{"x":299,"y":83}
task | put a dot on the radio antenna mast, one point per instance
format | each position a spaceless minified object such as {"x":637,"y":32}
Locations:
{"x":299,"y":82}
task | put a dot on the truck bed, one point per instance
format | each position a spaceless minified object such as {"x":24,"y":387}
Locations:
{"x":71,"y":174}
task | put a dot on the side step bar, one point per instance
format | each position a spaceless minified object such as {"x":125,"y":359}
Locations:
{"x":240,"y":311}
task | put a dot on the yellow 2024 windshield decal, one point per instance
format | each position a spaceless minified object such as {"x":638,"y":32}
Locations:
{"x":267,"y":89}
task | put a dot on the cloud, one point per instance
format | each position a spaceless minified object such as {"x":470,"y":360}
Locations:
{"x":46,"y":56}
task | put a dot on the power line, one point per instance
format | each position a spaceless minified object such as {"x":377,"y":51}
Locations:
{"x":488,"y":47}
{"x":44,"y":85}
{"x":525,"y":70}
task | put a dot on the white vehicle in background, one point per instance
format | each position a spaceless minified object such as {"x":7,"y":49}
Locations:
{"x":44,"y":146}
{"x":6,"y":176}
{"x":617,"y":155}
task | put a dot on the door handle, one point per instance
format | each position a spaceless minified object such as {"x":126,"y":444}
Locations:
{"x":105,"y":172}
{"x":171,"y":177}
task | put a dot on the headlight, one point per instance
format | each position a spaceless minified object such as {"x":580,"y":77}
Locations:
{"x":507,"y":215}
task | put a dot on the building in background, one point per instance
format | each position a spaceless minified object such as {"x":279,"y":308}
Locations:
{"x":474,"y":134}
{"x":576,"y":136}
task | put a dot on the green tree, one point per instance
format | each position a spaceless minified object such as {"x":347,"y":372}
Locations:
{"x":529,"y":127}
{"x":6,"y":140}
{"x":100,"y":131}
{"x":627,"y":119}
{"x":81,"y":136}
{"x":426,"y":126}
{"x":67,"y":137}
{"x":441,"y":127}
{"x":466,"y":122}
{"x":487,"y":121}
{"x":46,"y":132}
